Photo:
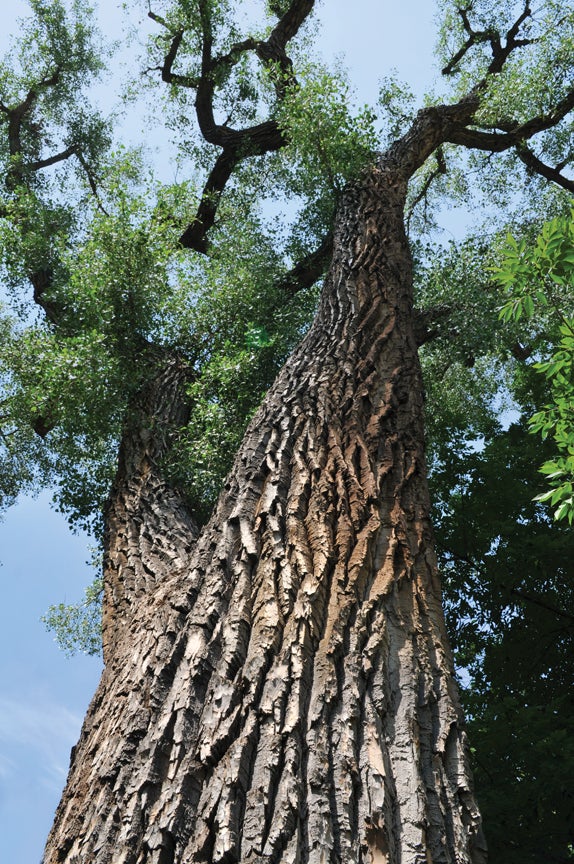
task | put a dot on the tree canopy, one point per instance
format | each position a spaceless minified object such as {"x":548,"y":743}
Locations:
{"x":108,"y":270}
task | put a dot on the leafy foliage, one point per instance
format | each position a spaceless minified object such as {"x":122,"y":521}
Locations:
{"x":78,"y":626}
{"x":506,"y":563}
{"x":508,"y":580}
{"x":537,"y":276}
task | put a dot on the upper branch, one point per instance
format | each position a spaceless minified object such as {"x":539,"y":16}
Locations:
{"x":457,"y":124}
{"x":497,"y":142}
{"x":535,"y":164}
{"x":236,"y":144}
{"x":474,"y":37}
{"x":500,"y":52}
{"x":52,"y":160}
{"x":309,"y":269}
{"x":439,"y":169}
{"x":289,"y":25}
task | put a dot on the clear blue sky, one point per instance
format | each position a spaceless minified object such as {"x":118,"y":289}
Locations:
{"x":43,"y":694}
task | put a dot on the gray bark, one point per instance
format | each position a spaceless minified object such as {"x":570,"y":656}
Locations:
{"x":281,"y":688}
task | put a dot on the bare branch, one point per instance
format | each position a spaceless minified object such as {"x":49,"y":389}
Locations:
{"x":474,"y":37}
{"x":264,"y":138}
{"x":167,"y":74}
{"x":236,"y":144}
{"x":501,"y":53}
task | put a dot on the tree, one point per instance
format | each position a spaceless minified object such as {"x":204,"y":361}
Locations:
{"x":532,"y":274}
{"x":507,"y":568}
{"x":278,"y":683}
{"x":505,"y":560}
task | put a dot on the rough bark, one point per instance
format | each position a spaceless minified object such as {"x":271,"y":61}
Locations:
{"x":148,"y":526}
{"x":281,"y":689}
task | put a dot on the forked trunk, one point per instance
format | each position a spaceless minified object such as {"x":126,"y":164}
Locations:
{"x":281,"y":690}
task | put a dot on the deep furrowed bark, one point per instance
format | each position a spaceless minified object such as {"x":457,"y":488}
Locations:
{"x":285,"y":695}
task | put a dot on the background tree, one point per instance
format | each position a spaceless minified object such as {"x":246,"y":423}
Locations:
{"x":291,"y":685}
{"x":504,"y":559}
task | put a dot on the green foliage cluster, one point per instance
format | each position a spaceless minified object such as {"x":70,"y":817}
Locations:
{"x":529,"y":81}
{"x":108,"y":294}
{"x":58,"y":55}
{"x":509,"y":588}
{"x":330,"y":141}
{"x":244,"y":328}
{"x":78,"y":626}
{"x":536,"y":276}
{"x":506,"y":563}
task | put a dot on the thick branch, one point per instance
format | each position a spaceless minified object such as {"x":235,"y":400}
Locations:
{"x":195,"y":235}
{"x":307,"y":271}
{"x":16,"y":116}
{"x":35,"y":90}
{"x":261,"y":139}
{"x":289,"y":25}
{"x":51,"y":160}
{"x":501,"y":53}
{"x":497,"y":142}
{"x":533,"y":163}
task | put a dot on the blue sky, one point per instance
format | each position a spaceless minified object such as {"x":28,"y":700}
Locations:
{"x":43,"y":694}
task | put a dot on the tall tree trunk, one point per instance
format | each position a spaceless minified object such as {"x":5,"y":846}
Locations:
{"x":281,"y":689}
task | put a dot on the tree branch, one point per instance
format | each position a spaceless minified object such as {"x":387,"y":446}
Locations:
{"x":474,"y":37}
{"x":440,"y":169}
{"x":513,"y":592}
{"x":496,"y":142}
{"x":538,"y":601}
{"x":536,"y":165}
{"x":289,"y":25}
{"x":91,"y":181}
{"x":500,"y":53}
{"x":309,"y":269}
{"x":195,"y":235}
{"x":425,"y":321}
{"x":236,"y":144}
{"x":166,"y":69}
{"x":51,"y":160}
